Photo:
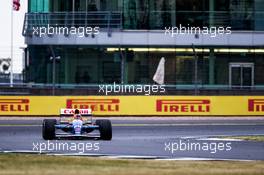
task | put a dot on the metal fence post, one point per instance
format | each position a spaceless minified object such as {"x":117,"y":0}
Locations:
{"x":195,"y":70}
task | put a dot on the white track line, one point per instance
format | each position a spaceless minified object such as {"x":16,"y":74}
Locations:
{"x":128,"y":156}
{"x":221,"y":139}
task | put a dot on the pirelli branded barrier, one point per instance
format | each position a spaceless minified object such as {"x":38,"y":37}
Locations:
{"x":134,"y":105}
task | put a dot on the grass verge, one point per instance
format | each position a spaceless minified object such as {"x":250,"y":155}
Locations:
{"x":259,"y":138}
{"x":44,"y":165}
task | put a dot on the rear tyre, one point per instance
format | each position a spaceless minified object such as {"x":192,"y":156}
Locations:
{"x":48,"y":129}
{"x":105,"y":129}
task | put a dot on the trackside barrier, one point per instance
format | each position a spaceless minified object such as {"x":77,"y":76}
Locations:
{"x":134,"y":105}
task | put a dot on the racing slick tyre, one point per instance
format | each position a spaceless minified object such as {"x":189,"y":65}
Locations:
{"x":105,"y":129}
{"x":48,"y":129}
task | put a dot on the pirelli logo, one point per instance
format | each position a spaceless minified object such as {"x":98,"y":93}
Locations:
{"x":256,"y":105}
{"x":183,"y":106}
{"x":14,"y":105}
{"x":102,"y":105}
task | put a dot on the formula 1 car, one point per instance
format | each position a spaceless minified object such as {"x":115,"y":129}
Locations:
{"x":76,"y":128}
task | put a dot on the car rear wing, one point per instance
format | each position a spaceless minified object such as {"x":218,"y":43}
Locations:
{"x":70,"y":112}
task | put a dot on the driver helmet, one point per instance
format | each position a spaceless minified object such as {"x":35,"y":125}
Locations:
{"x":77,"y":116}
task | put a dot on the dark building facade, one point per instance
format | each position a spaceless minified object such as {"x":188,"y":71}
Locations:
{"x":125,"y":40}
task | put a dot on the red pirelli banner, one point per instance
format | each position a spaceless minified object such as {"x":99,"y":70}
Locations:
{"x":135,"y":105}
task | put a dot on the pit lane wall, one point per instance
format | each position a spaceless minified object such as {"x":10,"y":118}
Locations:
{"x":134,"y":105}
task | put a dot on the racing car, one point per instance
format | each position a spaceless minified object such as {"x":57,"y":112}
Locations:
{"x":79,"y":127}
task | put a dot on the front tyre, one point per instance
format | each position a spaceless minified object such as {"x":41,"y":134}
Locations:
{"x":48,"y":129}
{"x":105,"y":129}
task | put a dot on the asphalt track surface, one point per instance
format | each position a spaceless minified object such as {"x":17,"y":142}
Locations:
{"x":146,"y":138}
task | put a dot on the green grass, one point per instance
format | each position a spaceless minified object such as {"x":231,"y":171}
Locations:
{"x":19,"y":164}
{"x":259,"y":138}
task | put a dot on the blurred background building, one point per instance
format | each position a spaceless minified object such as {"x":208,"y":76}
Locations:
{"x":132,"y":40}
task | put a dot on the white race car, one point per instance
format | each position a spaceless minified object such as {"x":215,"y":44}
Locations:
{"x":73,"y":127}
